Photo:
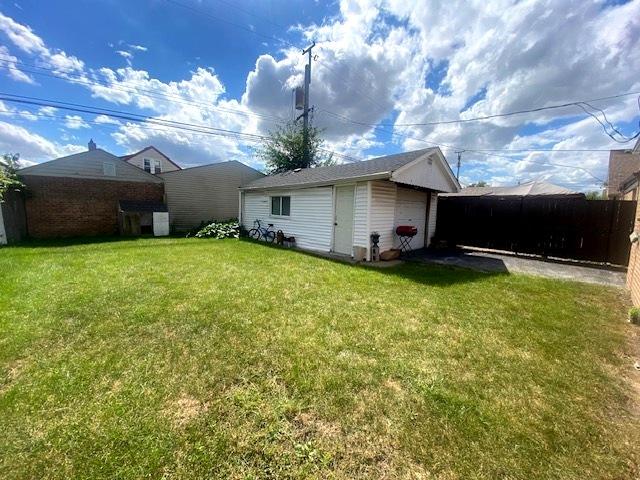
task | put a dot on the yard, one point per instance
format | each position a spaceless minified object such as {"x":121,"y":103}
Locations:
{"x":186,"y":358}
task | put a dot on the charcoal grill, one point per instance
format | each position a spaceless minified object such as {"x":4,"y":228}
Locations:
{"x":405,"y":234}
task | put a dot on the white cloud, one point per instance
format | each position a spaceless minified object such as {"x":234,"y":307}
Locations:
{"x":75,"y":122}
{"x":104,"y":119}
{"x":32,"y":147}
{"x":11,"y":66}
{"x":380,"y":60}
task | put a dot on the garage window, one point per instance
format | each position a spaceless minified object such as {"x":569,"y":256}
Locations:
{"x":281,"y":206}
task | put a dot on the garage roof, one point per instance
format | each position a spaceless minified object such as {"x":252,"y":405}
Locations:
{"x":383,"y":166}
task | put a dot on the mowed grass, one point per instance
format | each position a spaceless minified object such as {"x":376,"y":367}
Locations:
{"x":186,"y":358}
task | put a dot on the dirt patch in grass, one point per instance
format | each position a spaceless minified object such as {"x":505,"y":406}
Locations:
{"x":184,"y":410}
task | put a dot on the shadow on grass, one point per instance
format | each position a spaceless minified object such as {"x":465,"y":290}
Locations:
{"x":418,"y":272}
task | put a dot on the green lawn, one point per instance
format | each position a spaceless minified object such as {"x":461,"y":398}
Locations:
{"x":187,"y":358}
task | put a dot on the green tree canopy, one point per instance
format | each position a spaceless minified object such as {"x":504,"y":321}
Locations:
{"x":8,"y":176}
{"x":283,"y":150}
{"x":481,"y":183}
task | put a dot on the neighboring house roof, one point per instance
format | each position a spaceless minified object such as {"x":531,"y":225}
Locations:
{"x":381,"y":167}
{"x":89,"y":164}
{"x":523,"y":190}
{"x":126,"y":158}
{"x":139,"y":206}
{"x":622,"y":164}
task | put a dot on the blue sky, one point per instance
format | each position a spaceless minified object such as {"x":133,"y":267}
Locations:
{"x":382,"y":64}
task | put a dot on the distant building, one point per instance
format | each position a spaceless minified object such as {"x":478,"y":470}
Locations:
{"x":151,"y":160}
{"x":623,"y":165}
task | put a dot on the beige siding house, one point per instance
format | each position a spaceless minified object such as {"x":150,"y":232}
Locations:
{"x":337,"y":208}
{"x":208,"y":192}
{"x":151,"y":160}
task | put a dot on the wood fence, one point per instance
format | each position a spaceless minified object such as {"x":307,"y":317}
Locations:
{"x":571,"y":228}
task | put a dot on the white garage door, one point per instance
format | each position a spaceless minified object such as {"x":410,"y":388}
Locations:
{"x":411,"y":209}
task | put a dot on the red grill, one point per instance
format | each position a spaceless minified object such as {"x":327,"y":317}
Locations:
{"x":406,"y":231}
{"x":405,"y":234}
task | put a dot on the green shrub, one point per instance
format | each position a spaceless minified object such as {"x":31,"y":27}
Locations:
{"x":228,"y":229}
{"x":634,"y":315}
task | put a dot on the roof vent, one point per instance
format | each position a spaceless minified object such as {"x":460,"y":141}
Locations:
{"x":297,"y":170}
{"x":92,"y":145}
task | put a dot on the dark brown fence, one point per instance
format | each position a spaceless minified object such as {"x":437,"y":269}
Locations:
{"x":572,"y":228}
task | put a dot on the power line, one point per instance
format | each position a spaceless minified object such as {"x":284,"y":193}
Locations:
{"x":135,"y":89}
{"x":498,"y":115}
{"x":182,"y":126}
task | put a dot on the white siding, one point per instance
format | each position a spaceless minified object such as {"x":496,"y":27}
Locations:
{"x":430,"y":172}
{"x":431,"y":222}
{"x":411,"y":209}
{"x":382,"y":212}
{"x":311,"y":220}
{"x":360,"y":233}
{"x":152,"y":154}
{"x":90,"y":165}
{"x":209,"y":192}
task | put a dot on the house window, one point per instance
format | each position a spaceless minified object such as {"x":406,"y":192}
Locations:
{"x":152,"y":166}
{"x":281,"y":206}
{"x":109,"y":169}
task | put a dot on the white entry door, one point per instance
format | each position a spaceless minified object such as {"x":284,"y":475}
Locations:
{"x":343,"y":232}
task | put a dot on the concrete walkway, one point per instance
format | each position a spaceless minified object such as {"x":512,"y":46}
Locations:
{"x":495,"y":262}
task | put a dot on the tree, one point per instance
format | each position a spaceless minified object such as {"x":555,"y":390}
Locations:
{"x":595,"y":195}
{"x":8,"y":176}
{"x":481,"y":183}
{"x":283,"y":150}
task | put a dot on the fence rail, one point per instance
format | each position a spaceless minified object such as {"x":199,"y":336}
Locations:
{"x":572,"y":228}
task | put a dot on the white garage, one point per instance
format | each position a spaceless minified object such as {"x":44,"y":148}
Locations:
{"x":337,"y":208}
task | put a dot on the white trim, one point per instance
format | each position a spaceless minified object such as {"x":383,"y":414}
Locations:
{"x":328,"y":183}
{"x":368,"y":221}
{"x":441,"y":158}
{"x":333,"y":219}
{"x":240,"y":212}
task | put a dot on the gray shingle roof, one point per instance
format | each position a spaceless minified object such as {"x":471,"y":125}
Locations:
{"x":526,"y":189}
{"x":326,"y":175}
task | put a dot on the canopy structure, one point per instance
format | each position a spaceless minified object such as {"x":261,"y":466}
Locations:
{"x":527,"y":189}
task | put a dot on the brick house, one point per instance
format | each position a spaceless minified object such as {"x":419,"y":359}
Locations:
{"x":630,"y":191}
{"x":79,"y":194}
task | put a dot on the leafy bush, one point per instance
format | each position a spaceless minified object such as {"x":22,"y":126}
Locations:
{"x":634,"y":315}
{"x":228,"y":229}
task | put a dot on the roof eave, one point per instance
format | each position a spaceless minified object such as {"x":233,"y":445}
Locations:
{"x":297,"y":186}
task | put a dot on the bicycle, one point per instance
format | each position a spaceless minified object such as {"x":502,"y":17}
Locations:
{"x":259,"y":232}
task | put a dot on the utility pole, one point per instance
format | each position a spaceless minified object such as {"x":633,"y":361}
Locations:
{"x":305,"y":112}
{"x":459,"y":152}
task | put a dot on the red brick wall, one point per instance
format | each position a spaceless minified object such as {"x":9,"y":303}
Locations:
{"x":633,"y":270}
{"x":67,"y":207}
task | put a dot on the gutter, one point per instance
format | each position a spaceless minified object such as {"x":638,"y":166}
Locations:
{"x":373,"y":176}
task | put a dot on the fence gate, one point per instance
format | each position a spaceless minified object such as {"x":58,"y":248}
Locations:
{"x":572,"y":228}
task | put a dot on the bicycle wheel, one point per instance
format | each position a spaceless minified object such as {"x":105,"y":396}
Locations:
{"x":254,"y":233}
{"x":270,"y":236}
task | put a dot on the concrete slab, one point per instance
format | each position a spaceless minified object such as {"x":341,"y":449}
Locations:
{"x":494,"y":262}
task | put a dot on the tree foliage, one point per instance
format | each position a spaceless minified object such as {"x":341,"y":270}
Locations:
{"x":283,"y":150}
{"x":8,"y":176}
{"x":595,"y":195}
{"x":481,"y":183}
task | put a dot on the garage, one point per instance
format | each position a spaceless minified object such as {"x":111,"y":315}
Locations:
{"x":411,"y":209}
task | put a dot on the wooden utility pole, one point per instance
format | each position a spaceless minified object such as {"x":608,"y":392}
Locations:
{"x":459,"y":159}
{"x":305,"y":112}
